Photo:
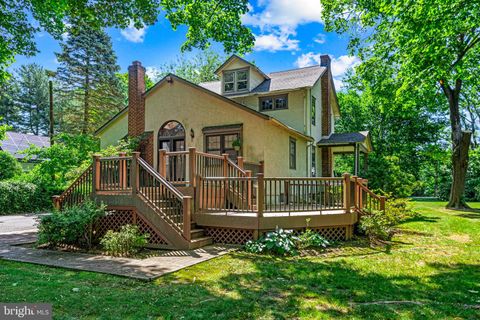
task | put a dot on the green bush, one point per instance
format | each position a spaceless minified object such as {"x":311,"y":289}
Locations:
{"x":311,"y":239}
{"x":284,"y":242}
{"x":19,"y":197}
{"x":125,"y":242}
{"x":379,"y":225}
{"x":9,"y":166}
{"x":73,"y":226}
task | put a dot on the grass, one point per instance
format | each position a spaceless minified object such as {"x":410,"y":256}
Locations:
{"x":432,"y":271}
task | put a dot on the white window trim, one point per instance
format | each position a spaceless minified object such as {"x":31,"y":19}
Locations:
{"x":235,"y":80}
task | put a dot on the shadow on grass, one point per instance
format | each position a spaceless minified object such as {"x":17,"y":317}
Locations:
{"x":288,"y":288}
{"x":420,"y":218}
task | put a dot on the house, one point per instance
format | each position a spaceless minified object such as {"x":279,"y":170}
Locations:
{"x":284,"y":120}
{"x":15,"y":143}
{"x":228,"y":160}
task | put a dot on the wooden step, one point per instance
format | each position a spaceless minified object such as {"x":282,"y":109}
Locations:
{"x":197,"y":233}
{"x":200,"y":242}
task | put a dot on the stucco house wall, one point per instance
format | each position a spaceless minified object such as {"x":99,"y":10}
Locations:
{"x":196,"y":109}
{"x":114,"y":132}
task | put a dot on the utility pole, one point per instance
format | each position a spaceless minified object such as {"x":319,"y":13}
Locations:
{"x":50,"y":74}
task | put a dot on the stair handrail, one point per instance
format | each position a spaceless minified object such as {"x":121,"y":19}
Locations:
{"x":58,"y":200}
{"x":186,"y":201}
{"x":360,"y":188}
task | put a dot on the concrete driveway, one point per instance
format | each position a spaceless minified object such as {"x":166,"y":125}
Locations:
{"x":19,"y":223}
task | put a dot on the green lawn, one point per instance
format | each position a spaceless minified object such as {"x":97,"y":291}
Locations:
{"x":432,"y":271}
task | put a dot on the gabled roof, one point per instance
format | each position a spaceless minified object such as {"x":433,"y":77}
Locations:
{"x":16,"y":142}
{"x":281,"y":80}
{"x":235,"y":57}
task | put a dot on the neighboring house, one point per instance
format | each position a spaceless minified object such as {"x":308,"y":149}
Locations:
{"x":284,"y":119}
{"x":15,"y":143}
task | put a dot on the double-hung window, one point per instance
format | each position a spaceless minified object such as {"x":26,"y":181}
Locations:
{"x":314,"y":110}
{"x":292,"y":153}
{"x":235,"y":81}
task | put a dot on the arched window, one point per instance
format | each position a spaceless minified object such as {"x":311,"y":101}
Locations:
{"x":171,"y":137}
{"x":171,"y":129}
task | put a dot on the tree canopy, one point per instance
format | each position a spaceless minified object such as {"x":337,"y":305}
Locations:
{"x":207,"y":20}
{"x":431,"y":44}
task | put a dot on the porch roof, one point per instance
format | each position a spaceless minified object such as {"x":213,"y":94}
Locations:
{"x":361,"y":138}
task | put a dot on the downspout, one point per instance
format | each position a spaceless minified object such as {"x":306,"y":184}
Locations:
{"x":309,"y":126}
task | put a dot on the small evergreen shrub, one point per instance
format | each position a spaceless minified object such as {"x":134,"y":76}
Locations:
{"x":19,"y":197}
{"x":125,"y":242}
{"x":9,"y":166}
{"x":73,"y":226}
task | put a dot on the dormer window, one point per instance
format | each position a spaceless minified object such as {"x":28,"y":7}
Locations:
{"x":234,"y":81}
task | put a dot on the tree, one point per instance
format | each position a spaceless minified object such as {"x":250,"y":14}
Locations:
{"x":32,"y":99}
{"x":87,"y":74}
{"x":9,"y":109}
{"x":207,"y":20}
{"x":199,"y":68}
{"x":432,"y":44}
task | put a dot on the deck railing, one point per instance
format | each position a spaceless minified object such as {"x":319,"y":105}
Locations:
{"x":163,"y":197}
{"x":366,"y":200}
{"x":113,"y":173}
{"x":79,"y":191}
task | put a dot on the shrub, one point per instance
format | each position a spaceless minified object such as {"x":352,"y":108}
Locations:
{"x":19,"y":197}
{"x":9,"y":166}
{"x":378,"y":225}
{"x":311,"y":239}
{"x":284,"y":242}
{"x":73,"y":226}
{"x":125,"y":242}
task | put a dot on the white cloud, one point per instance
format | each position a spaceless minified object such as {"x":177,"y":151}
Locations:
{"x":278,"y":20}
{"x":133,"y":34}
{"x":320,"y":38}
{"x":152,"y":72}
{"x":273,"y":42}
{"x":340,"y":65}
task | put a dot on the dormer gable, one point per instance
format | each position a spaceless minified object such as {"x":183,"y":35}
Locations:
{"x":238,"y":76}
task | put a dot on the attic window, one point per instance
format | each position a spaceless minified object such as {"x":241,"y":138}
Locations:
{"x":234,"y":81}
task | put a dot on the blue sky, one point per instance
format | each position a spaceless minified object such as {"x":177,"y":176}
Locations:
{"x":288,"y":34}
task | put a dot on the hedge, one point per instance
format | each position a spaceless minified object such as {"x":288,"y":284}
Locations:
{"x":20,"y":197}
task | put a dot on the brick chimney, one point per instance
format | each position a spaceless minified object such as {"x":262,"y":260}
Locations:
{"x":136,"y":101}
{"x":327,"y":156}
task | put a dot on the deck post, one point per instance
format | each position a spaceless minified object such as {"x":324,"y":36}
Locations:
{"x":355,"y":190}
{"x":382,"y":203}
{"x":192,"y":153}
{"x":162,"y":163}
{"x":96,"y":174}
{"x":261,"y":195}
{"x":240,"y":162}
{"x":134,"y":174}
{"x":56,"y":203}
{"x":262,"y":166}
{"x":187,"y":217}
{"x":225,"y":164}
{"x":122,"y":171}
{"x":346,"y":192}
{"x":248,"y":174}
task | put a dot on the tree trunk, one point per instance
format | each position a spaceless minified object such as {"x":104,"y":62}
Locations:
{"x":460,"y":147}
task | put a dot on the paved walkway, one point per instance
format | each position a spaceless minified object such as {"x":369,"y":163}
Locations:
{"x":17,"y":230}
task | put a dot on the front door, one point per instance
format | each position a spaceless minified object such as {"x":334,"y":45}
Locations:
{"x":171,"y":137}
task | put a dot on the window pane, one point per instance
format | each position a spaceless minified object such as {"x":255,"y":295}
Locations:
{"x":228,"y":77}
{"x":292,"y":154}
{"x":229,"y":138}
{"x":213,"y":143}
{"x":313,"y":111}
{"x":280,"y":103}
{"x":266,"y":104}
{"x":241,"y":75}
{"x":241,"y":85}
{"x":228,"y":87}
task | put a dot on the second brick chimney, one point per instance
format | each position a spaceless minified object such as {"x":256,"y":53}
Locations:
{"x":136,"y":101}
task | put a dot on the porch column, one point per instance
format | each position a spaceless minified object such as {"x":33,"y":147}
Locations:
{"x":356,"y":152}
